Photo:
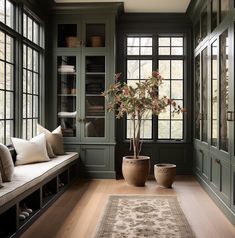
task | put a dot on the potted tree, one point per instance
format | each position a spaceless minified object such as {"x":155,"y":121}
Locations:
{"x":135,"y":102}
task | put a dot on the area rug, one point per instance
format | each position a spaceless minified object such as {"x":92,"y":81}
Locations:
{"x":143,"y":216}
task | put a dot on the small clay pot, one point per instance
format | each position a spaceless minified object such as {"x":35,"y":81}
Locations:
{"x":136,"y":171}
{"x":165,"y":174}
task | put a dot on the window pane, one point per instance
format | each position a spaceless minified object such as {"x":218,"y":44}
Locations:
{"x":30,"y":83}
{"x":164,"y":68}
{"x":163,"y":129}
{"x":35,"y":61}
{"x":177,"y":69}
{"x":24,"y":56}
{"x":177,"y":50}
{"x":9,"y":49}
{"x":9,"y":77}
{"x":176,"y":89}
{"x":145,"y":69}
{"x":9,"y":131}
{"x":9,"y":105}
{"x":35,"y":84}
{"x":176,"y":129}
{"x":30,"y":58}
{"x":29,"y":106}
{"x":2,"y":133}
{"x":133,"y":69}
{"x":35,"y":106}
{"x":9,"y":14}
{"x":164,"y":41}
{"x":30,"y":28}
{"x":133,"y":50}
{"x":35,"y":33}
{"x":2,"y":104}
{"x":2,"y":45}
{"x":24,"y":25}
{"x":24,"y":128}
{"x":24,"y":81}
{"x":2,"y":11}
{"x":146,"y":51}
{"x":132,"y":83}
{"x":164,"y":89}
{"x":146,"y":129}
{"x":166,"y":114}
{"x":29,"y":129}
{"x":133,"y":41}
{"x":2,"y":75}
{"x":146,"y":41}
{"x":180,"y":115}
{"x":24,"y":106}
{"x":164,"y":50}
{"x":177,"y":41}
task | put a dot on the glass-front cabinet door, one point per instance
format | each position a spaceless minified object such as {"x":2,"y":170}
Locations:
{"x":93,"y":123}
{"x":67,"y":94}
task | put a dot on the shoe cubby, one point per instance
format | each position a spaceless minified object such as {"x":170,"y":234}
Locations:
{"x":28,"y":207}
{"x":73,"y":172}
{"x":63,"y":180}
{"x":49,"y":190}
{"x":8,"y":223}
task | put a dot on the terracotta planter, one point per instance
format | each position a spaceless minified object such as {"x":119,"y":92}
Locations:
{"x":136,"y":171}
{"x":165,"y":174}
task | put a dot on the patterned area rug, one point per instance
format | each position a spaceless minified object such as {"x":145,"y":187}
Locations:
{"x":143,"y":216}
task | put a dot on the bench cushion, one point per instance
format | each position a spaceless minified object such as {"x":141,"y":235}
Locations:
{"x":27,"y":176}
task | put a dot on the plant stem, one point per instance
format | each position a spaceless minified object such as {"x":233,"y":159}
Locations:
{"x":134,"y":139}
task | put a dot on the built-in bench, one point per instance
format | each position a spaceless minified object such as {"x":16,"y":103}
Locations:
{"x":36,"y":185}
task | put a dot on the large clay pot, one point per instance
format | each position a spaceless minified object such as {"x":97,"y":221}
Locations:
{"x":136,"y":171}
{"x":165,"y":174}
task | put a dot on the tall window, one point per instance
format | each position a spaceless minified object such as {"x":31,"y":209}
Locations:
{"x":19,"y":86}
{"x":166,"y":53}
{"x":6,"y":87}
{"x":31,"y":77}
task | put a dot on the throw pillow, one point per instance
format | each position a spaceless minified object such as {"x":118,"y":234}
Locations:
{"x":54,"y":138}
{"x":6,"y":164}
{"x":30,"y":151}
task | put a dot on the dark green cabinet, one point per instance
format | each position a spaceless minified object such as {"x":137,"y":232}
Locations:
{"x":84,"y":66}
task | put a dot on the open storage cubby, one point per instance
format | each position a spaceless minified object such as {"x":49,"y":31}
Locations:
{"x":8,"y":229}
{"x":31,"y":205}
{"x":73,"y":171}
{"x":49,"y":190}
{"x":63,"y":179}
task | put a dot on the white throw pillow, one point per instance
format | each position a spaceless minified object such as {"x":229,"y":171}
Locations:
{"x":30,"y":151}
{"x":54,"y":138}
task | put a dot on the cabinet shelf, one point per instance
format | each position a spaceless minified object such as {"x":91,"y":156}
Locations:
{"x":66,"y":73}
{"x":95,"y":73}
{"x":67,"y":95}
{"x":93,"y":117}
{"x":94,"y":95}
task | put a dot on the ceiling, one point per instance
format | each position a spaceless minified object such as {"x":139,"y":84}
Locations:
{"x":149,"y":6}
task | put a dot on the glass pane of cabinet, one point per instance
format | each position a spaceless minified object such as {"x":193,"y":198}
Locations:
{"x":204,"y":94}
{"x":94,"y":101}
{"x":214,"y":93}
{"x":95,"y":35}
{"x":197,"y":98}
{"x":66,"y":94}
{"x":67,"y":36}
{"x":197,"y":36}
{"x":224,"y":94}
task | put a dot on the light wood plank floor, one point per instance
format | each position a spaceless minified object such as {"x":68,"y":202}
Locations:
{"x":76,"y":213}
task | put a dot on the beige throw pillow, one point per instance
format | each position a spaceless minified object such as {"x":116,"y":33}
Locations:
{"x":54,"y":138}
{"x":30,"y":151}
{"x":6,"y":164}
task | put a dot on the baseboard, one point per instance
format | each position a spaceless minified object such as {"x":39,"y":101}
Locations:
{"x":218,"y":201}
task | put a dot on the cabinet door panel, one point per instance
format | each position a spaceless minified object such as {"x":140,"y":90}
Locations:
{"x":198,"y":154}
{"x":225,"y":182}
{"x":95,"y":157}
{"x":215,"y":173}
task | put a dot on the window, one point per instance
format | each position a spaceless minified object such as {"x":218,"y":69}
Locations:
{"x":19,"y":84}
{"x":7,"y":69}
{"x":31,"y":77}
{"x":169,"y":59}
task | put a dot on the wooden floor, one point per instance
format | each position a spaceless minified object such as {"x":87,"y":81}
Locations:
{"x":76,"y":213}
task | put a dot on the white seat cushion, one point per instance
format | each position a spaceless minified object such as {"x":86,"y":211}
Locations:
{"x":29,"y":175}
